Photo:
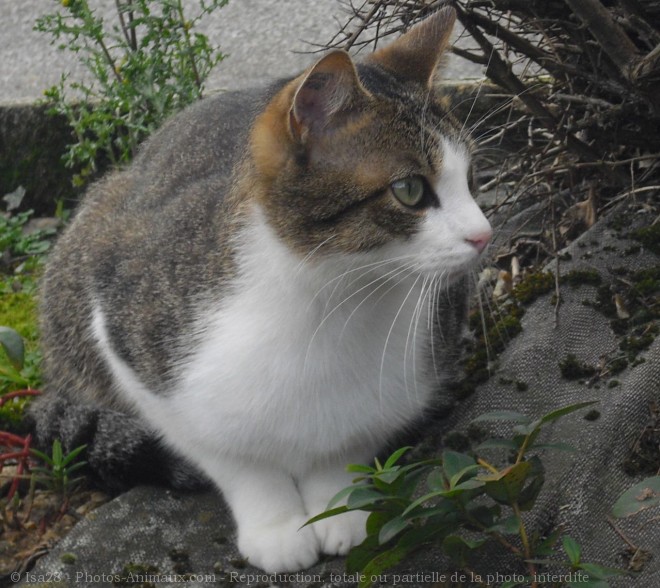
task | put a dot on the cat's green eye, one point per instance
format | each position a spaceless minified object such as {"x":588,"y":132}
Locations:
{"x":409,"y":191}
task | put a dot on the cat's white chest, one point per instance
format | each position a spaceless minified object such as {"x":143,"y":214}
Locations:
{"x":298,"y":365}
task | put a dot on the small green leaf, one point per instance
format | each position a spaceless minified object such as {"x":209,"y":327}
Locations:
{"x":387,"y":476}
{"x":363,"y":496}
{"x":456,"y":478}
{"x":601,"y":572}
{"x":362,"y":554}
{"x":42,"y":456}
{"x":13,"y":345}
{"x":486,"y":516}
{"x":560,"y":412}
{"x":382,"y":562}
{"x":57,"y":453}
{"x":556,"y":446}
{"x":497,"y":444}
{"x":326,"y":514}
{"x":436,"y":480}
{"x":343,"y":493}
{"x":73,"y":454}
{"x":506,"y":486}
{"x":545,"y":547}
{"x":359,"y":469}
{"x":508,"y":526}
{"x":430,"y":533}
{"x":454,"y":463}
{"x":572,"y":549}
{"x":391,"y":529}
{"x":528,"y":429}
{"x":459,"y":548}
{"x":641,"y":496}
{"x":503,"y":415}
{"x":75,"y":467}
{"x":376,"y":520}
{"x":423,"y":499}
{"x":392,"y":459}
{"x":536,"y":479}
{"x":585,"y":582}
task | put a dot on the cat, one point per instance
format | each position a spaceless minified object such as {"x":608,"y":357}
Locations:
{"x":272,"y":290}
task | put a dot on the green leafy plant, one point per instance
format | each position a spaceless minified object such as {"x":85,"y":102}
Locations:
{"x":18,"y":367}
{"x":464,"y":504}
{"x":59,"y":468}
{"x":17,"y":243}
{"x":645,"y":494}
{"x":146,"y":66}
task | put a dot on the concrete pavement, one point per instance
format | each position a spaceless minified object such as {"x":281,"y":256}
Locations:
{"x":265,"y":39}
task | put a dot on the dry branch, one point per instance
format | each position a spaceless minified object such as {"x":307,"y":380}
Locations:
{"x":583,"y":79}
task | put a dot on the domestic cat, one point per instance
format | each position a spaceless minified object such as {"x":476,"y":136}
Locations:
{"x":271,"y":291}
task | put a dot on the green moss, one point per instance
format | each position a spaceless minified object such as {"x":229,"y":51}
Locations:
{"x":649,"y":237}
{"x":68,"y":558}
{"x":647,"y":282}
{"x":633,"y":345}
{"x":617,"y":365}
{"x":239,"y":563}
{"x":19,"y":311}
{"x":577,"y":278}
{"x":136,"y":574}
{"x":533,"y":286}
{"x":604,"y":302}
{"x":644,"y":457}
{"x":573,"y":369}
{"x":181,"y":561}
{"x":618,"y":223}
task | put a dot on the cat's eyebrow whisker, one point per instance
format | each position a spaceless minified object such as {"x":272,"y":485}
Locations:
{"x":469,"y":114}
{"x":492,"y":129}
{"x":506,"y":104}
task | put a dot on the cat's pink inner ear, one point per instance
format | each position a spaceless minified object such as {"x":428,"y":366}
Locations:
{"x":415,"y":55}
{"x":331,"y":87}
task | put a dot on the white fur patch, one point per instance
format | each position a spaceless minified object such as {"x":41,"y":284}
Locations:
{"x":443,"y":242}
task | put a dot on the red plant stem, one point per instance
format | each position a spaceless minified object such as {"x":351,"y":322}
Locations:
{"x":20,"y":469}
{"x":18,"y":394}
{"x":17,"y":455}
{"x":7,"y":438}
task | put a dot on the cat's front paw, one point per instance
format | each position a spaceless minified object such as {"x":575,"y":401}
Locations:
{"x":280,"y":546}
{"x":339,"y":533}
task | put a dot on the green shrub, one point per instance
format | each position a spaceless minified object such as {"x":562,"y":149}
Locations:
{"x":148,"y":65}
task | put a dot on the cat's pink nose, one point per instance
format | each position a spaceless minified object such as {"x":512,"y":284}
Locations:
{"x":480,"y":240}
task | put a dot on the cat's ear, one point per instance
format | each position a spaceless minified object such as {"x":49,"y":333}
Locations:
{"x":331,"y":88}
{"x":415,"y":55}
